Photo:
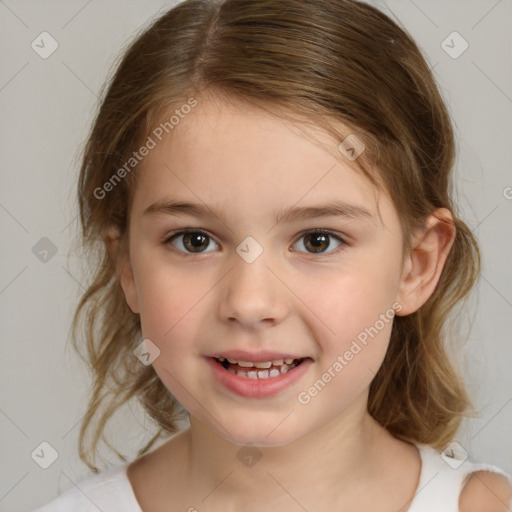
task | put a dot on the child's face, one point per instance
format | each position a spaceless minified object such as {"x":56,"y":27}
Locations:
{"x":199,"y":297}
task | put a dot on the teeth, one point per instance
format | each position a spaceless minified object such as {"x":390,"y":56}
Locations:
{"x":264,"y":364}
{"x":261,"y":374}
{"x":261,"y":369}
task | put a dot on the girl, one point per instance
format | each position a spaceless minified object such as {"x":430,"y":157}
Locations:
{"x":270,"y":184}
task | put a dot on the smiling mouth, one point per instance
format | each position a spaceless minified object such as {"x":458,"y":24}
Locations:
{"x":259,"y":370}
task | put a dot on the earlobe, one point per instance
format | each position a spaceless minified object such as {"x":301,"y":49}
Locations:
{"x":119,"y":255}
{"x":425,"y":262}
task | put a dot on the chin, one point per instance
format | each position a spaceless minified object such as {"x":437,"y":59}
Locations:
{"x":269,"y":432}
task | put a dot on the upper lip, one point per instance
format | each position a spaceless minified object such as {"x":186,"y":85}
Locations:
{"x":255,"y":357}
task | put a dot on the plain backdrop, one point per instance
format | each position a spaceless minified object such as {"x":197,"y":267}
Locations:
{"x":47,"y":105}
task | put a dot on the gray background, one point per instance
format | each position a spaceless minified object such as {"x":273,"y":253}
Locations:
{"x":46,"y":109}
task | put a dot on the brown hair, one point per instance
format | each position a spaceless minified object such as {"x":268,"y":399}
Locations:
{"x":328,"y":62}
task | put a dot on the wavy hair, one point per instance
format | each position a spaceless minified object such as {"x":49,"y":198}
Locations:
{"x":329,"y":62}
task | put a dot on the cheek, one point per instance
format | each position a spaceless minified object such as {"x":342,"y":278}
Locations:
{"x":356,"y":313}
{"x":360,"y":313}
{"x":170,"y":318}
{"x":354,"y":300}
{"x":168,"y":299}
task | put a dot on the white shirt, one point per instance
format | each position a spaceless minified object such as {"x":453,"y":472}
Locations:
{"x":441,"y":481}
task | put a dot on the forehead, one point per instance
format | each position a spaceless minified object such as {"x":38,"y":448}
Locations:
{"x":245,"y":160}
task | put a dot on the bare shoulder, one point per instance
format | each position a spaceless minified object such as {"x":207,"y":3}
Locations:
{"x":486,"y":492}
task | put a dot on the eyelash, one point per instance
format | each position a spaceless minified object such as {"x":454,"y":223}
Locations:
{"x":175,"y":234}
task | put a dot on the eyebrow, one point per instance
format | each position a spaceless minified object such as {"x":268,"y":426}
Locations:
{"x":329,"y":209}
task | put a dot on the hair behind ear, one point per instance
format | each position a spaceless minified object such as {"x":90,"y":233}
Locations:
{"x":417,"y":394}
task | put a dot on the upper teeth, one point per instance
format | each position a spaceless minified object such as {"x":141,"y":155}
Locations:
{"x":262,"y":364}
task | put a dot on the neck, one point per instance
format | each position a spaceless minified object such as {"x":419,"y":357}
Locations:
{"x":340,"y":454}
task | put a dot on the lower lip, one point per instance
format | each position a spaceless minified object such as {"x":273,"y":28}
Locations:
{"x":257,"y":388}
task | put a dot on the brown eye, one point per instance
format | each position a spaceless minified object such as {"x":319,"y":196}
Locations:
{"x":193,"y":242}
{"x":317,"y":242}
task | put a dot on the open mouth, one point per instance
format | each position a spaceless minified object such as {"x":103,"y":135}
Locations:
{"x":258,"y":370}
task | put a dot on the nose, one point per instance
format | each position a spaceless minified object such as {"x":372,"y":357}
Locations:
{"x":253,"y":296}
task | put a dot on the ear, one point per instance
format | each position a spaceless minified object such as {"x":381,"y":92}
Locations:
{"x":424,"y":264}
{"x":119,"y":254}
